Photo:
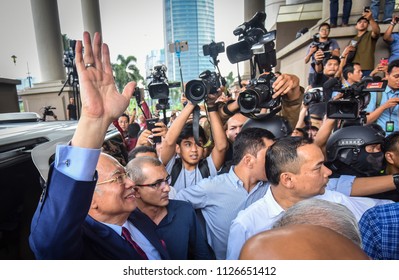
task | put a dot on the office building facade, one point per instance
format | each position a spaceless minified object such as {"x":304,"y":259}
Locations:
{"x":191,"y":21}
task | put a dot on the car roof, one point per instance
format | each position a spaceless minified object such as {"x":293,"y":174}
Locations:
{"x":23,"y":136}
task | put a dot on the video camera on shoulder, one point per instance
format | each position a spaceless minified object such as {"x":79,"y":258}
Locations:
{"x":254,"y":40}
{"x":355,"y":99}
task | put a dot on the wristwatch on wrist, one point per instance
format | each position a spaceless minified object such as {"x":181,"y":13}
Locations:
{"x":396,"y":181}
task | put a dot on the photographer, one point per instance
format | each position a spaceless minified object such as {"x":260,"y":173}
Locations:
{"x":326,"y":70}
{"x":386,"y":112}
{"x":285,"y":86}
{"x":365,"y":42}
{"x":320,"y":42}
{"x":180,"y":148}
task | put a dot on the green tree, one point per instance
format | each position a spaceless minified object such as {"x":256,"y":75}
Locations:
{"x":125,"y":71}
{"x":229,"y":79}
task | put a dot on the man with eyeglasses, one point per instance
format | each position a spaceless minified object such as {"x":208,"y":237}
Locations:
{"x":174,"y":221}
{"x":84,"y":213}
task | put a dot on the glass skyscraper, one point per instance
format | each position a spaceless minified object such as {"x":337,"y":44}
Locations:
{"x":191,"y":21}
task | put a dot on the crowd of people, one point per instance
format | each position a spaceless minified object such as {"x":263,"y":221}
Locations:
{"x":233,"y":186}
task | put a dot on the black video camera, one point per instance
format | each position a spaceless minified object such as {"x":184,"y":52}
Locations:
{"x":313,"y":96}
{"x":254,"y":40}
{"x":258,"y":94}
{"x":159,"y":85}
{"x":355,"y":99}
{"x":207,"y":83}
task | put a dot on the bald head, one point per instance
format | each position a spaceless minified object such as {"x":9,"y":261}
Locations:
{"x":301,"y":242}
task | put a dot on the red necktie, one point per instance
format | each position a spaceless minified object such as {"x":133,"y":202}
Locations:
{"x":127,"y":236}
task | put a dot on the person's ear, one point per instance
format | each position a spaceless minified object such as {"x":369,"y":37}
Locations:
{"x":249,"y":160}
{"x":137,"y":192}
{"x":178,"y":150}
{"x":286,"y":179}
{"x":94,"y":204}
{"x":389,"y":157}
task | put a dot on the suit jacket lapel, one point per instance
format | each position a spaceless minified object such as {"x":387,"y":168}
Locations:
{"x":147,"y":227}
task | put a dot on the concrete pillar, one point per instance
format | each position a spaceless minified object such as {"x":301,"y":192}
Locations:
{"x":91,"y":16}
{"x":272,"y":8}
{"x":48,"y":39}
{"x":251,"y":7}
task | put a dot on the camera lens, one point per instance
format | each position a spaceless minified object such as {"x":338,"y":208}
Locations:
{"x":345,"y":108}
{"x":248,"y":101}
{"x":196,"y":90}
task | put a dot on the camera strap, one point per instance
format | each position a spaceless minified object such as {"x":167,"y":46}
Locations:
{"x":196,"y":115}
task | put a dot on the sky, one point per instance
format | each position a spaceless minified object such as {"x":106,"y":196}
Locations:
{"x":129,"y":27}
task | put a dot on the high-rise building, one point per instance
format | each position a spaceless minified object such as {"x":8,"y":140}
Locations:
{"x":191,"y":21}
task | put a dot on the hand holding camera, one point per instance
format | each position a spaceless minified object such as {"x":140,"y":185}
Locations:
{"x":367,"y":13}
{"x":319,"y":56}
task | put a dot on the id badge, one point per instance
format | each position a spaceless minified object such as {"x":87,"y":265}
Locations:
{"x":389,"y":126}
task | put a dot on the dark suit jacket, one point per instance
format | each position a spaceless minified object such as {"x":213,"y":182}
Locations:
{"x":180,"y":230}
{"x":61,"y":228}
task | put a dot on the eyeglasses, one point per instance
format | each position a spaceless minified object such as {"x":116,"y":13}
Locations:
{"x":157,"y":184}
{"x":120,"y":179}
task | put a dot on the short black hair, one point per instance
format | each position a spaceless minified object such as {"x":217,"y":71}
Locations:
{"x":283,"y":156}
{"x":188,"y":132}
{"x":334,"y":57}
{"x":391,"y":142}
{"x":125,"y":115}
{"x":324,"y":24}
{"x":250,"y":141}
{"x":361,"y":18}
{"x":349,"y":68}
{"x":392,"y":64}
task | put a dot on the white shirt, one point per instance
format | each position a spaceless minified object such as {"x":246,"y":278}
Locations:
{"x":261,"y":216}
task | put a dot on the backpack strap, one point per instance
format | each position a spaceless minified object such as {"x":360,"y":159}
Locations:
{"x":176,"y":169}
{"x":178,"y":166}
{"x":204,"y":168}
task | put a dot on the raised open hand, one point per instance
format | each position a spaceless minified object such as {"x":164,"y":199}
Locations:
{"x":100,"y":98}
{"x":101,"y":101}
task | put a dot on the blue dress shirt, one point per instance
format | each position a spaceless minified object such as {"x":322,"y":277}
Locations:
{"x":390,"y":114}
{"x":221,"y":198}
